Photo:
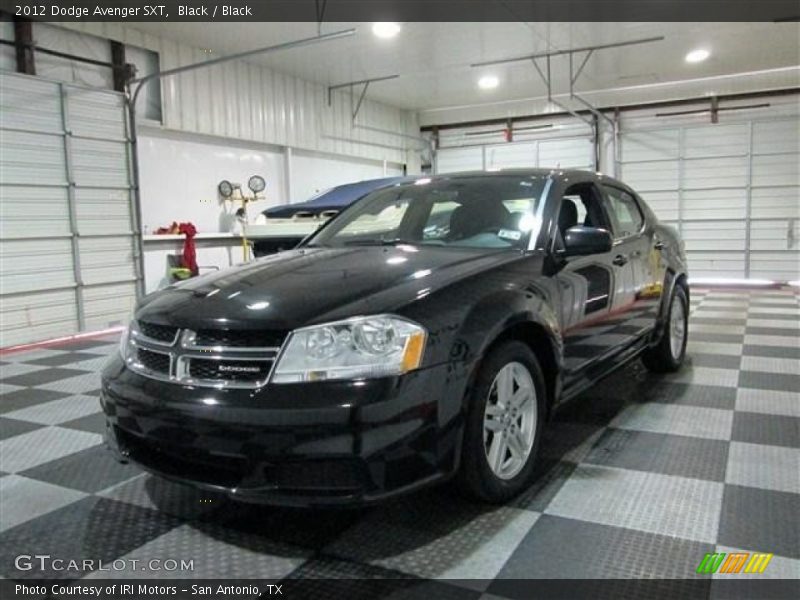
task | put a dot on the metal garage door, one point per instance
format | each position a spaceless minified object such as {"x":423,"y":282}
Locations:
{"x":732,"y":189}
{"x":570,"y":148}
{"x":66,"y":221}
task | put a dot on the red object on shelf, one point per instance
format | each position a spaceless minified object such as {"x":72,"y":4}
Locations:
{"x":189,"y":253}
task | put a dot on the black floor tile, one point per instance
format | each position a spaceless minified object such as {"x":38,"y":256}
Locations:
{"x":43,"y":376}
{"x":559,"y":548}
{"x":684,"y":394}
{"x":89,"y":470}
{"x":324,"y":577}
{"x":85,"y":345}
{"x":698,"y":318}
{"x":94,"y":423}
{"x":782,"y":382}
{"x":780,"y":305}
{"x":92,"y":528}
{"x":59,"y":360}
{"x":716,"y":361}
{"x":660,"y":453}
{"x":772,"y":430}
{"x":97,"y":393}
{"x":764,"y":520}
{"x":548,"y":479}
{"x":771,"y":351}
{"x":725,"y":338}
{"x":11,"y":427}
{"x":28,"y":397}
{"x":784,"y":331}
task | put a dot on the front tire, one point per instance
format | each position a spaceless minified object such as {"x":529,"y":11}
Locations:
{"x":667,"y":356}
{"x":504,"y":424}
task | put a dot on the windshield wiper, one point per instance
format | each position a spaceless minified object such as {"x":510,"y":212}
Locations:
{"x":373,"y":242}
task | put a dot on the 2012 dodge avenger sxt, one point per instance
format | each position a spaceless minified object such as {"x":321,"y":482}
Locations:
{"x":426,"y":332}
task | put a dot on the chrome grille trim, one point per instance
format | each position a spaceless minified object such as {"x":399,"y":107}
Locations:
{"x":182,"y":351}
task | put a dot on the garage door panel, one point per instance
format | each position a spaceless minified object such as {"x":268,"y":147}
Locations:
{"x":99,"y":163}
{"x":716,"y":140}
{"x":28,"y":103}
{"x":37,"y":316}
{"x":650,"y":146}
{"x":35,"y":265}
{"x":109,"y":305}
{"x":714,"y":204}
{"x":103,"y":211}
{"x":106,"y":259}
{"x":511,"y":156}
{"x":40,"y":294}
{"x":30,"y":158}
{"x":715,"y":235}
{"x":779,"y":169}
{"x":775,"y":235}
{"x":663,"y":204}
{"x":776,"y":136}
{"x":704,"y":173}
{"x":651,"y":177}
{"x":566,"y":154}
{"x":96,"y":115}
{"x":33,"y":212}
{"x":711,"y":264}
{"x":770,"y":203}
{"x":452,"y":160}
{"x":775,"y":266}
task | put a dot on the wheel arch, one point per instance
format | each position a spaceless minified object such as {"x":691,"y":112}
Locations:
{"x":542,"y":343}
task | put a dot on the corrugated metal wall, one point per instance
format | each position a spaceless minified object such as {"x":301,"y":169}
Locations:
{"x":251,"y":102}
{"x":731,"y":188}
{"x":66,"y":237}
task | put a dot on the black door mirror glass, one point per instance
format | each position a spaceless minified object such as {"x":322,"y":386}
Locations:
{"x":582,"y":241}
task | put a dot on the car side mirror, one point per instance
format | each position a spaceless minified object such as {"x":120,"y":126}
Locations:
{"x":582,"y":241}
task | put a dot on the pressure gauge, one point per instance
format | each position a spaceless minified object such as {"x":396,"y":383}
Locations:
{"x":225,"y":188}
{"x":256,"y":184}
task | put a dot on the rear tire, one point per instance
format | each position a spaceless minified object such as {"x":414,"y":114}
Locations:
{"x":667,"y":356}
{"x":506,"y":408}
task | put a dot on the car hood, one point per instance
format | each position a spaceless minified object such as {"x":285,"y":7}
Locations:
{"x":313,"y":285}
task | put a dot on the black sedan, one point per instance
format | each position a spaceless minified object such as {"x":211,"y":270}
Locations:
{"x":425,"y":333}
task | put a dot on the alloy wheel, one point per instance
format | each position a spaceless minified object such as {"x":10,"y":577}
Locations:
{"x":509,"y":422}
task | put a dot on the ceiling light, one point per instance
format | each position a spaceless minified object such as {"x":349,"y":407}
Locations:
{"x":488,"y":82}
{"x":696,"y":56}
{"x":385,"y":30}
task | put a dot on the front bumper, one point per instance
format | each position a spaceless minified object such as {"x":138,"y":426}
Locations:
{"x":326,"y":443}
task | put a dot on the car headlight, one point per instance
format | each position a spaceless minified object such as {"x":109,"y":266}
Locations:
{"x":358,"y":348}
{"x":125,"y":345}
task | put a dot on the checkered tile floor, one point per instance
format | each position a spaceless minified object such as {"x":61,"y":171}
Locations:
{"x":638,"y":478}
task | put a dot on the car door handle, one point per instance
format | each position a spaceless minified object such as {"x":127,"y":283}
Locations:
{"x":620,"y":260}
{"x":659,"y":245}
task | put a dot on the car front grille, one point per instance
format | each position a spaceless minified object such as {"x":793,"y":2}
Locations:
{"x":208,"y":357}
{"x":160,"y":333}
{"x":157,"y":362}
{"x":238,"y":339}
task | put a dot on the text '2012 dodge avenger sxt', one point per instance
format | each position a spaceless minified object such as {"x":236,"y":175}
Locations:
{"x":426,"y":332}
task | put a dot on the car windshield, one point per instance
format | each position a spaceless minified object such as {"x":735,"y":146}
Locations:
{"x":480,"y":211}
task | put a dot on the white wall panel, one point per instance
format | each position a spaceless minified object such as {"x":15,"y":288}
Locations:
{"x":180,"y":175}
{"x":566,"y":153}
{"x":312,"y":173}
